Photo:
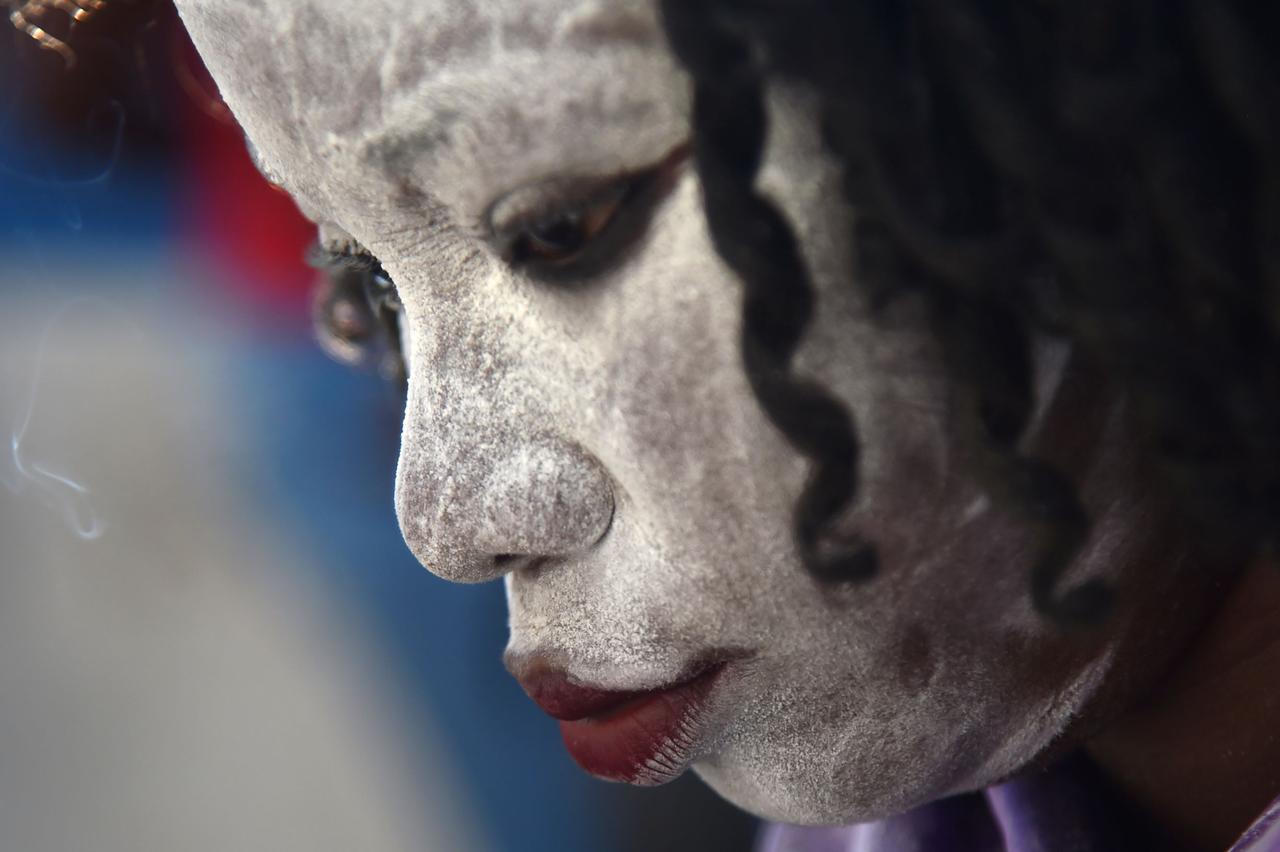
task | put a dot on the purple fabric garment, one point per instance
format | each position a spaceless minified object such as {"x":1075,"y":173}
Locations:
{"x":959,"y":824}
{"x":1065,"y":809}
{"x":1263,"y":835}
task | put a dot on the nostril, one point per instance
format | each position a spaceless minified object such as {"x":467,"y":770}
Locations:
{"x":533,"y":567}
{"x":509,"y":563}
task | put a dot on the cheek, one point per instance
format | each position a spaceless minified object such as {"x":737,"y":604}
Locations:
{"x":679,"y":426}
{"x":938,"y":676}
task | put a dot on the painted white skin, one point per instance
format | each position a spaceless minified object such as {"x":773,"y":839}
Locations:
{"x":609,"y":425}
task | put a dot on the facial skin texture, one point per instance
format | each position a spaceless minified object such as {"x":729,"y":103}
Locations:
{"x":607,"y":423}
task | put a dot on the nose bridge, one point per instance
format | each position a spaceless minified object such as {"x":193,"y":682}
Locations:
{"x":486,"y":472}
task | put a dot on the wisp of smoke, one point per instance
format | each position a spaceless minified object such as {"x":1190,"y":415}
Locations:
{"x":69,"y":497}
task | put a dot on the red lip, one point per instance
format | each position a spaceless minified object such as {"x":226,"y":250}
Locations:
{"x":642,"y":737}
{"x":551,"y":690}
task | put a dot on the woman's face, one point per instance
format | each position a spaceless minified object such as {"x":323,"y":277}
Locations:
{"x":579,"y":423}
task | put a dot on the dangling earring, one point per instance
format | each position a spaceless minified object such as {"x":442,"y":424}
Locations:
{"x":79,"y":11}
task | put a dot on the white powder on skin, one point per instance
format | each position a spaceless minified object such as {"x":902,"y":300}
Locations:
{"x":610,"y":425}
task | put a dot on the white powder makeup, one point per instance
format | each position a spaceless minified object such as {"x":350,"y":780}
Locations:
{"x":605,"y":425}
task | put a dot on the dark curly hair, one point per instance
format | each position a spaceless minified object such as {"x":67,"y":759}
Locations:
{"x":1106,"y":171}
{"x":1102,"y":170}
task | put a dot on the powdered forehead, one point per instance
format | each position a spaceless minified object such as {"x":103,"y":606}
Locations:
{"x":416,"y":89}
{"x":386,"y":47}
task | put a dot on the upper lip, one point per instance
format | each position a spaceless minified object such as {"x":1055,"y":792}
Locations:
{"x":553,"y":689}
{"x":561,"y":699}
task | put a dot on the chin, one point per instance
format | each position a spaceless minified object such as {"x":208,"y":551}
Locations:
{"x":812,"y":796}
{"x":834,"y":777}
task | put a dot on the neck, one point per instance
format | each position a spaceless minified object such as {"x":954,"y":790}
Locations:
{"x":1201,"y":755}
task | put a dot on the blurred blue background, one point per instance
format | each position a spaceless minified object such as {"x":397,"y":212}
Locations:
{"x":211,"y":634}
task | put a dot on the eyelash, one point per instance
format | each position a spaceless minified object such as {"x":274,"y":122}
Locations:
{"x":556,"y":231}
{"x":356,"y":310}
{"x":531,"y":237}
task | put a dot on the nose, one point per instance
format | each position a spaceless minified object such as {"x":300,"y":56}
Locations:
{"x":489,"y":509}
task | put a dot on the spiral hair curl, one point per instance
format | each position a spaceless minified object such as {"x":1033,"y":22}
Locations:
{"x":754,"y":239}
{"x":1104,"y":170}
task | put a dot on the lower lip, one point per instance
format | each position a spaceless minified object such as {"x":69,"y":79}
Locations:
{"x":647,"y":741}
